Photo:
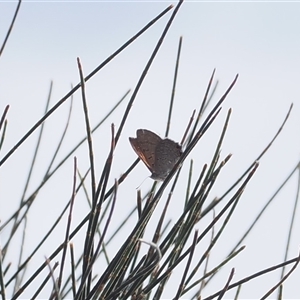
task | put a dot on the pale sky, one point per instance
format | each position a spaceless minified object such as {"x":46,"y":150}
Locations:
{"x":260,"y":41}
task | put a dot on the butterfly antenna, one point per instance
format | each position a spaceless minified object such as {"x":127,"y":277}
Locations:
{"x":142,"y":182}
{"x":188,"y":127}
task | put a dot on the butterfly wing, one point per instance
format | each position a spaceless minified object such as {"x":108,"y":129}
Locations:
{"x":144,"y":145}
{"x":167,"y":153}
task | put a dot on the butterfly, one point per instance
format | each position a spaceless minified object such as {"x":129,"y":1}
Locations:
{"x":159,"y":155}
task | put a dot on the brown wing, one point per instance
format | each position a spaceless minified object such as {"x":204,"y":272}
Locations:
{"x":167,"y":153}
{"x":144,"y":145}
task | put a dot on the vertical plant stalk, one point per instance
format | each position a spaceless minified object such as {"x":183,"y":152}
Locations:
{"x":88,"y":251}
{"x":292,"y":223}
{"x":63,"y":258}
{"x":88,"y":132}
{"x":97,"y":250}
{"x":202,"y":107}
{"x":188,"y":264}
{"x":10,"y":27}
{"x":73,"y":267}
{"x":2,"y":285}
{"x":4,"y":115}
{"x":226,"y":285}
{"x":174,"y":87}
{"x":43,"y":284}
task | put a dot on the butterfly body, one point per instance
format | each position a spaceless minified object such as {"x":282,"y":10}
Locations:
{"x":159,"y":155}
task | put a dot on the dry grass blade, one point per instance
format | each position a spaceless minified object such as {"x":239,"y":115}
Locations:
{"x":73,"y":267}
{"x":139,"y":275}
{"x":209,"y":274}
{"x":188,"y":127}
{"x":17,"y":220}
{"x":88,"y":251}
{"x":188,"y":264}
{"x":2,"y":285}
{"x":204,"y":104}
{"x":85,"y":138}
{"x":3,"y":134}
{"x":63,"y":258}
{"x":55,"y":290}
{"x":29,"y":200}
{"x":88,"y":132}
{"x":282,"y":279}
{"x":173,"y":88}
{"x":97,"y":250}
{"x":213,"y":243}
{"x":146,"y":69}
{"x":292,"y":222}
{"x":3,"y":116}
{"x":66,"y":97}
{"x":255,"y":275}
{"x":10,"y":27}
{"x":226,"y":286}
{"x":94,"y":216}
{"x":49,"y":276}
{"x":201,"y":236}
{"x":51,"y":257}
{"x":206,"y":124}
{"x":244,"y":174}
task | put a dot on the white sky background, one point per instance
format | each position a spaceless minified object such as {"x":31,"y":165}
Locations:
{"x":259,"y":41}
